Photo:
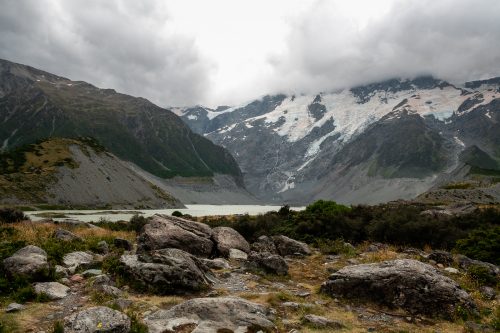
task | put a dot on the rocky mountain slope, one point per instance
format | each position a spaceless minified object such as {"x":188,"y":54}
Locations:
{"x":36,"y":105}
{"x":374,"y":143}
{"x":75,"y":173}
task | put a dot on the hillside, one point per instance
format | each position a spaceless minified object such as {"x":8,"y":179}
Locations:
{"x":379,"y":142}
{"x":75,"y":173}
{"x":36,"y":105}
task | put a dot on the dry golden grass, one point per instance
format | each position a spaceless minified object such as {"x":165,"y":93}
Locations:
{"x":379,"y":256}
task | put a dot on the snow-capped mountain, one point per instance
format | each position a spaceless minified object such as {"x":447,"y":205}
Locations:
{"x":373,"y":143}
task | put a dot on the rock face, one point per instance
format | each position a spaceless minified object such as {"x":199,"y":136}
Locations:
{"x":97,"y":319}
{"x":212,"y":315}
{"x":166,"y":271}
{"x":78,"y":259}
{"x":267,"y":262}
{"x":287,"y":246}
{"x":227,"y":238}
{"x":172,"y":232}
{"x":408,"y":284}
{"x":65,"y":235}
{"x":264,"y":244}
{"x":28,"y":262}
{"x":53,"y":290}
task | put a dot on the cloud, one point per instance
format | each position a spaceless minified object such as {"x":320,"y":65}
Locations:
{"x":125,"y":45}
{"x":187,"y":52}
{"x":456,"y":40}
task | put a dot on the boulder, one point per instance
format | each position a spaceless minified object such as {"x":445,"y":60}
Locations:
{"x":109,"y":290}
{"x":78,"y":260}
{"x":164,"y":231}
{"x":227,"y":238}
{"x":65,"y":235}
{"x":97,"y":319}
{"x":28,"y":262}
{"x":53,"y":290}
{"x":287,"y":246}
{"x":166,"y":271}
{"x":408,"y":284}
{"x":267,"y":262}
{"x":102,"y":247}
{"x":236,"y":254}
{"x":123,"y":244}
{"x":321,"y":322}
{"x":441,"y":257}
{"x":14,"y":307}
{"x":212,"y":315}
{"x":217,"y":263}
{"x":264,"y":244}
{"x":466,"y":263}
{"x":487,"y":292}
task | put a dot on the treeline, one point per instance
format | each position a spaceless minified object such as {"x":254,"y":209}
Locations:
{"x":476,"y":234}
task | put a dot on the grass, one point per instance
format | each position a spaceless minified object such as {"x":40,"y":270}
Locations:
{"x":457,"y":186}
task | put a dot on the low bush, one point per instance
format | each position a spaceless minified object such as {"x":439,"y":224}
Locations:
{"x":11,"y":215}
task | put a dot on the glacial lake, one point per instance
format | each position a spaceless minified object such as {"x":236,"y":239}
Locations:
{"x":125,"y":215}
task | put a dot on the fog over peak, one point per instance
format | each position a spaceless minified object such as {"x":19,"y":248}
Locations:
{"x":193,"y":52}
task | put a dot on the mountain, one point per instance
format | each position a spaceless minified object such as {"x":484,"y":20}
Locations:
{"x":36,"y":105}
{"x":373,"y":143}
{"x":75,"y":173}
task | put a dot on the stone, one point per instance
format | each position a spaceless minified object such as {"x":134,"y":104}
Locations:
{"x":92,"y":272}
{"x":236,"y":254}
{"x":487,"y":292}
{"x":404,"y":283}
{"x":97,"y":319}
{"x":109,"y":290}
{"x":78,"y":260}
{"x":441,"y":257}
{"x":227,"y":238}
{"x":264,"y":244}
{"x":123,"y":244}
{"x":163,"y":231}
{"x":267,"y":262}
{"x":217,"y":263}
{"x":14,"y":307}
{"x":61,"y":271}
{"x":287,"y":246}
{"x":212,"y":315}
{"x":452,"y":270}
{"x":167,"y":271}
{"x":102,"y":247}
{"x":321,"y":322}
{"x":376,"y":247}
{"x":123,"y":303}
{"x":53,"y":290}
{"x":100,"y":279}
{"x":467,"y":263}
{"x":65,"y":235}
{"x":28,"y":262}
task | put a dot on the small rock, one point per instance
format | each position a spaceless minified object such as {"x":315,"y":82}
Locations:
{"x":321,"y":322}
{"x":236,"y":254}
{"x":109,"y":290}
{"x":100,"y":279}
{"x":61,"y":271}
{"x":76,"y":278}
{"x":452,"y":270}
{"x":53,"y":290}
{"x":487,"y":292}
{"x":14,"y":307}
{"x":102,"y":247}
{"x":122,"y":244}
{"x":441,"y":257}
{"x":65,"y":235}
{"x":269,"y":263}
{"x":92,"y":272}
{"x":352,"y":261}
{"x":97,"y":319}
{"x":217,"y":263}
{"x":78,"y":259}
{"x":302,"y":293}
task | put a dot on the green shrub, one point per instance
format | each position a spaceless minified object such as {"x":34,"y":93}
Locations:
{"x":137,"y":222}
{"x":24,"y":294}
{"x":11,"y":215}
{"x":483,"y":244}
{"x":482,"y":275}
{"x":336,"y":246}
{"x":136,"y":326}
{"x":176,"y":213}
{"x":58,"y":327}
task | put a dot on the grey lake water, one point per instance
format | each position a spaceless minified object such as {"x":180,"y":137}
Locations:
{"x":125,"y":215}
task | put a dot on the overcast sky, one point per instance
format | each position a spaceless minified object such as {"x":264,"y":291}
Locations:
{"x":216,"y":52}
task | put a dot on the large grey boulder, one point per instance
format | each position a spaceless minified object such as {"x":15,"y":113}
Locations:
{"x":97,"y":319}
{"x":53,"y":290}
{"x":408,"y":284}
{"x":467,"y":263}
{"x":167,"y":271}
{"x":264,"y":244}
{"x":227,"y":238}
{"x":78,"y":260}
{"x":267,"y":262}
{"x":65,"y":235}
{"x":287,"y":246}
{"x":164,"y":231}
{"x":212,"y":315}
{"x":28,"y":262}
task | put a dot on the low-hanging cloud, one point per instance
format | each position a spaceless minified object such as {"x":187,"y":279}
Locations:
{"x":455,"y":40}
{"x":139,"y":48}
{"x":125,"y":45}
